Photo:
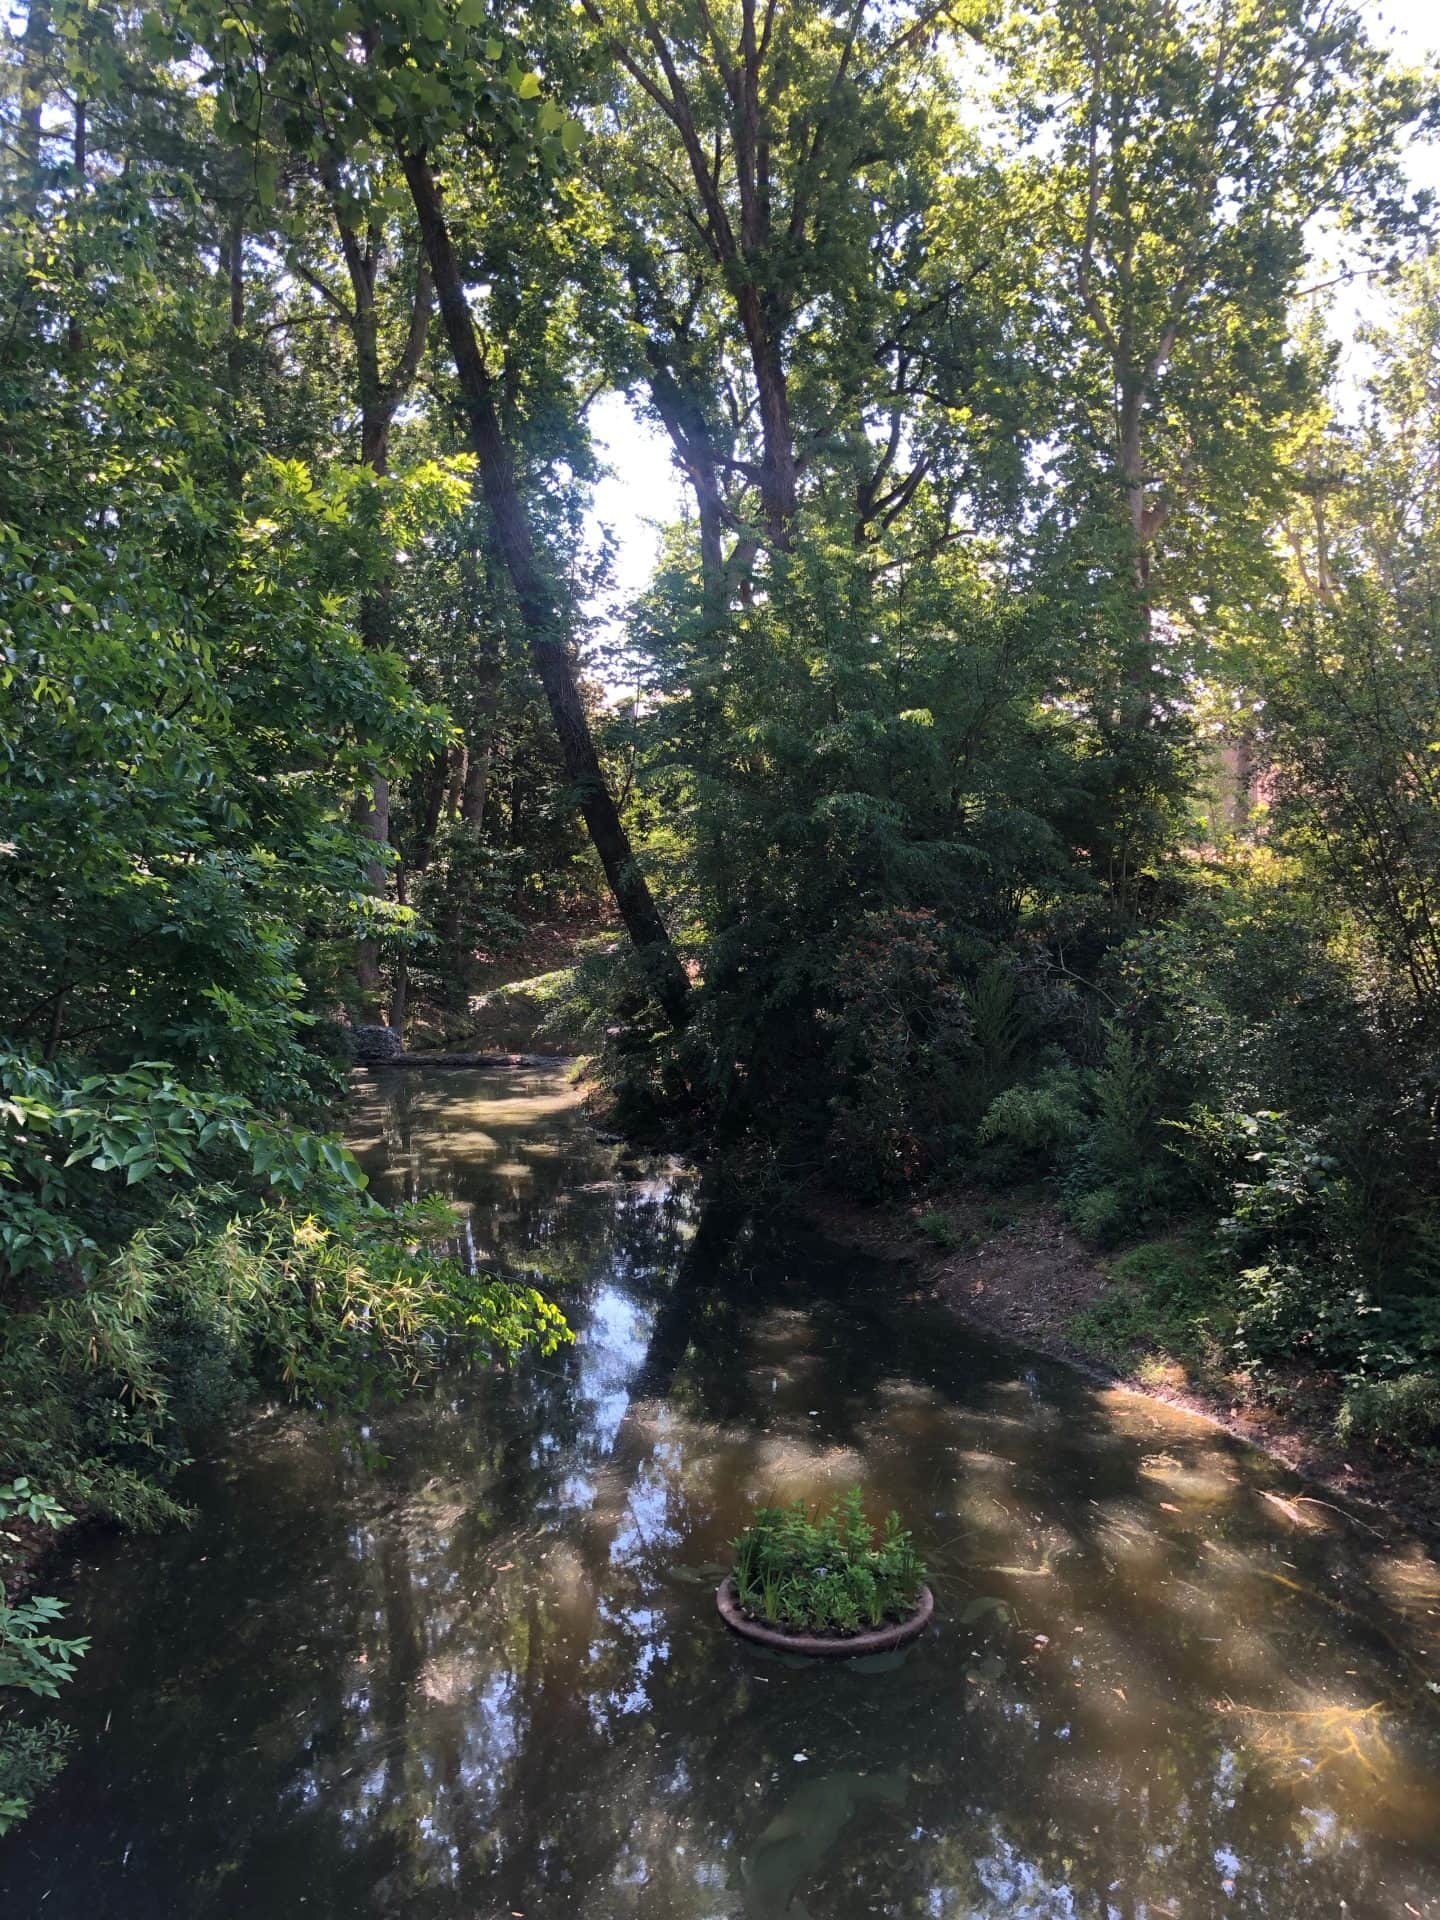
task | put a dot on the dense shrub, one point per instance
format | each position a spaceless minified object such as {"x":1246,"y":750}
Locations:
{"x":899,"y":1035}
{"x":104,"y":1370}
{"x":34,"y":1659}
{"x":1402,"y":1413}
{"x":1040,"y":1120}
{"x":458,"y":897}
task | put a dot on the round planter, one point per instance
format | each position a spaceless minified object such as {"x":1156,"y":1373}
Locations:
{"x":823,"y":1646}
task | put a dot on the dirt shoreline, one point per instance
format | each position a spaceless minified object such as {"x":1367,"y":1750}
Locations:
{"x":1026,"y":1280}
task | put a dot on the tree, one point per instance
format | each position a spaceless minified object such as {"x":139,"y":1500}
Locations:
{"x":1345,"y":674}
{"x":1183,"y":156}
{"x":408,"y":82}
{"x":376,"y":314}
{"x":815,"y":251}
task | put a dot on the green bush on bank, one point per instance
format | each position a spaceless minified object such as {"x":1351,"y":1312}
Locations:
{"x":1166,"y":1300}
{"x":1286,"y":1112}
{"x":165,"y":1254}
{"x":1403,"y":1412}
{"x":33,"y":1660}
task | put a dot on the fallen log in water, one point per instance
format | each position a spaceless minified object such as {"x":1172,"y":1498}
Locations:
{"x":465,"y":1060}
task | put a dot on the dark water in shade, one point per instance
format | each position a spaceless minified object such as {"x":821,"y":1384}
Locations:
{"x":466,"y":1664}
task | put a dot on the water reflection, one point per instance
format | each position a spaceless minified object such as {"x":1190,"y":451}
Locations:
{"x":465,"y":1663}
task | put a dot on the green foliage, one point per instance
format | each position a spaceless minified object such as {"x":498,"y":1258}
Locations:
{"x":1121,"y":1181}
{"x":104,"y":1377}
{"x":898,"y":1033}
{"x":579,"y":1004}
{"x":1167,"y":1300}
{"x":30,"y":1758}
{"x":87,"y":1157}
{"x":31,"y":1656}
{"x":180,"y":742}
{"x":1039,"y":1121}
{"x":826,"y":1571}
{"x":1402,"y":1414}
{"x":1353,"y":707}
{"x":873,"y":787}
{"x":1000,"y":1025}
{"x":1171,"y":206}
{"x":460,"y":896}
{"x":33,"y":1660}
{"x":940,"y":1230}
{"x":1100,"y":1128}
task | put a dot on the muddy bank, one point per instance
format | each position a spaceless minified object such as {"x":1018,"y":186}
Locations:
{"x":1027,"y":1277}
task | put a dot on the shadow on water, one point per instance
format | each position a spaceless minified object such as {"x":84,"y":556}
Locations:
{"x":464,"y":1662}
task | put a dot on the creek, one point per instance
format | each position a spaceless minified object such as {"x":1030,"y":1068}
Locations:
{"x":461,"y":1659}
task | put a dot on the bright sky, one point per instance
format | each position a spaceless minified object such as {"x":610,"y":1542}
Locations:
{"x":643,"y":492}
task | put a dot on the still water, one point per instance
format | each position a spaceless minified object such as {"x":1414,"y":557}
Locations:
{"x":464,"y":1662}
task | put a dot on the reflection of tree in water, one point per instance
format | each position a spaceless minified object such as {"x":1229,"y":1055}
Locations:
{"x":486,"y":1675}
{"x":652,"y":1736}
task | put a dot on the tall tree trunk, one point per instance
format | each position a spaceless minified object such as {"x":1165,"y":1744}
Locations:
{"x":690,"y":437}
{"x":737,"y":253}
{"x":436,"y":780}
{"x":35,"y":52}
{"x":778,"y":472}
{"x":379,"y":398}
{"x":682,"y":413}
{"x":458,"y":773}
{"x":75,"y":332}
{"x":537,"y":609}
{"x":477,"y":778}
{"x":1137,"y":501}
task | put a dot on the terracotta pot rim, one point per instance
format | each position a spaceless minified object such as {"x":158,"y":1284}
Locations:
{"x":823,"y":1646}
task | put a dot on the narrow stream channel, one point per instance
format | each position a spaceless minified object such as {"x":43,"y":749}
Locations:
{"x":465,"y":1662}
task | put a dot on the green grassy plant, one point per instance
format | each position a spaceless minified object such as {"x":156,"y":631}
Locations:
{"x":829,"y":1571}
{"x":1402,"y":1414}
{"x":1167,"y":1302}
{"x":941,"y":1231}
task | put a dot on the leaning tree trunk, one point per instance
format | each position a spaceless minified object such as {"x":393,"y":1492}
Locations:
{"x":538,"y":612}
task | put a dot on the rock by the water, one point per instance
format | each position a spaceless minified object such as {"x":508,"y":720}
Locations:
{"x":376,"y":1043}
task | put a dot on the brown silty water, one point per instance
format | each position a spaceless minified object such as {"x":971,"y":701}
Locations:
{"x":462,"y":1659}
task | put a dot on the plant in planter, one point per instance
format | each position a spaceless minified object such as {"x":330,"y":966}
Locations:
{"x":826,"y":1578}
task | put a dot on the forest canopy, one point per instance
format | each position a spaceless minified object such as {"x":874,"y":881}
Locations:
{"x":1023,"y":762}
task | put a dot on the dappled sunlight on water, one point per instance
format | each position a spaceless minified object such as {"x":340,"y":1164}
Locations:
{"x":463,"y":1661}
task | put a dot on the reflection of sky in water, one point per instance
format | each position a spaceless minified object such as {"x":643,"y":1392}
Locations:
{"x":466,"y":1663}
{"x":609,"y":1352}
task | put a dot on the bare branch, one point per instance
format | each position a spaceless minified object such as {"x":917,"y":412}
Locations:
{"x":402,"y":374}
